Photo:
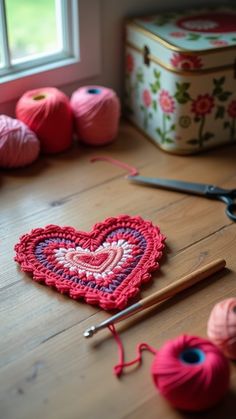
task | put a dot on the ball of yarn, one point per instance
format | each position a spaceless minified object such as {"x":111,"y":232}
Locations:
{"x":48,"y":113}
{"x":19,"y":146}
{"x":191,"y":373}
{"x":96,"y":110}
{"x":221,"y":327}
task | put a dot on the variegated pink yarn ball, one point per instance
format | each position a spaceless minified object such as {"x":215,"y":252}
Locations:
{"x":19,"y":146}
{"x":221,"y":327}
{"x":96,"y":112}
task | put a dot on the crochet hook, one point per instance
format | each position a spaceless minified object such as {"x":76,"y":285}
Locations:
{"x":169,"y":291}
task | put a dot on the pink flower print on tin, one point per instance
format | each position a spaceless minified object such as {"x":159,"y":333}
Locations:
{"x":177,"y":34}
{"x":185,"y":61}
{"x":147,"y":99}
{"x":219,"y":43}
{"x":232,"y":109}
{"x":166,"y":102}
{"x":202,"y":105}
{"x":214,"y":22}
{"x":129,"y":63}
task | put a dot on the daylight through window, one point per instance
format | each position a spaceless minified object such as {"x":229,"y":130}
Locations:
{"x":34,"y":33}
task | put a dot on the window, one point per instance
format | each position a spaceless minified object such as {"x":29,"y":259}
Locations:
{"x":47,"y":42}
{"x":33,"y":32}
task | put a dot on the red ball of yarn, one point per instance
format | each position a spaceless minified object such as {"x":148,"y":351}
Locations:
{"x":191,"y":373}
{"x":19,"y":146}
{"x":96,"y":110}
{"x":221,"y":327}
{"x":48,"y":113}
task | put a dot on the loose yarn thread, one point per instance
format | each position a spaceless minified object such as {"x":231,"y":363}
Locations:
{"x":191,"y":373}
{"x":19,"y":146}
{"x":96,"y":112}
{"x":132,"y":171}
{"x":118,"y":368}
{"x":221,"y":326}
{"x":47,"y":112}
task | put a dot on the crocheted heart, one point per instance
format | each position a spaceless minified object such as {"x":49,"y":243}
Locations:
{"x":105,"y":267}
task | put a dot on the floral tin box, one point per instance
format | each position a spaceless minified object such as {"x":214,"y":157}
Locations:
{"x":181,"y":78}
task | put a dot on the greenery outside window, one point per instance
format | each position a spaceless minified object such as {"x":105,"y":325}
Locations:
{"x":47,"y":42}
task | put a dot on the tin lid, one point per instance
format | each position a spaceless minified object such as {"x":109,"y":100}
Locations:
{"x":196,"y":31}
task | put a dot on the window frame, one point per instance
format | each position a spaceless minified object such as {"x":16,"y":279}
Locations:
{"x":70,"y":48}
{"x":84,"y":14}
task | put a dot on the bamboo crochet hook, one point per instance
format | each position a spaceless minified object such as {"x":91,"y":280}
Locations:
{"x":164,"y":294}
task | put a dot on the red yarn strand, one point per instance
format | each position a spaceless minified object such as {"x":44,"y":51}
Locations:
{"x":118,"y":368}
{"x":132,"y":171}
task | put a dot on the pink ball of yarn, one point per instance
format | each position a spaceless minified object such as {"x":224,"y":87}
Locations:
{"x":191,"y":373}
{"x":19,"y":146}
{"x":48,"y":113}
{"x":96,"y":111}
{"x":221,"y":326}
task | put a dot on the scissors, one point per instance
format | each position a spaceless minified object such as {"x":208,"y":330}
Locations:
{"x":228,"y":196}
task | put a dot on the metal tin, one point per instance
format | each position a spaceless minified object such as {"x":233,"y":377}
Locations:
{"x":180,"y":78}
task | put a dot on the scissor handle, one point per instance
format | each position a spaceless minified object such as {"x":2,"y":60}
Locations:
{"x":229,"y":199}
{"x":231,"y":193}
{"x":231,"y":210}
{"x":228,"y":196}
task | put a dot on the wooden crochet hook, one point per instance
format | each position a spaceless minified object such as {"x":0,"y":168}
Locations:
{"x":164,"y":294}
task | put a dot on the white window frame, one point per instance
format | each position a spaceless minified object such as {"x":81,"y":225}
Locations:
{"x":84,"y":62}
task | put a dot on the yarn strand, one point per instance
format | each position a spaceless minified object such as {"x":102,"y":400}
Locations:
{"x":118,"y":368}
{"x":132,"y":171}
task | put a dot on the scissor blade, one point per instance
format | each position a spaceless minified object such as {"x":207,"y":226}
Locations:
{"x":174,"y":185}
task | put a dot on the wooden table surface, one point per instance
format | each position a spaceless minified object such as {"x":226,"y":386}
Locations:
{"x":47,"y":368}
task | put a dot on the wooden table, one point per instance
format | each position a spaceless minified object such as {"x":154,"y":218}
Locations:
{"x":48,"y":369}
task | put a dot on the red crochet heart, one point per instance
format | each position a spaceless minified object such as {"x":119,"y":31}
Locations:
{"x":105,"y":267}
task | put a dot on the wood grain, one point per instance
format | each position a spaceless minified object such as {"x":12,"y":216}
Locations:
{"x":47,"y":369}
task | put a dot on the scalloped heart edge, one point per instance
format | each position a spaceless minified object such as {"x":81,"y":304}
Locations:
{"x":128,"y":289}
